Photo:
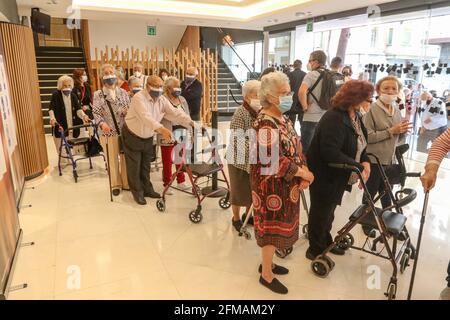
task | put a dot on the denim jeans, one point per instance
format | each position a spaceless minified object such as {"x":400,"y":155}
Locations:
{"x":307,"y":132}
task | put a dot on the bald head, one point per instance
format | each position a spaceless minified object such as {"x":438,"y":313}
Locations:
{"x":154,"y":81}
{"x":192,"y":71}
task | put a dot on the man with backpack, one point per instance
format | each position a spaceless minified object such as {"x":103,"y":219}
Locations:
{"x":315,"y":94}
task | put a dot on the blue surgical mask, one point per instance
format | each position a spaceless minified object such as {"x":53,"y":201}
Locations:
{"x":155,"y":93}
{"x":136,"y":90}
{"x":66,"y":92}
{"x":176,"y":92}
{"x":110,"y":80}
{"x":285,"y":103}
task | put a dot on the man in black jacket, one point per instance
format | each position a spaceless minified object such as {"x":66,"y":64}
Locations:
{"x":295,"y":80}
{"x":192,"y":91}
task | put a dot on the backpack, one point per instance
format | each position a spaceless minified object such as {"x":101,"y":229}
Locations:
{"x":331,"y":83}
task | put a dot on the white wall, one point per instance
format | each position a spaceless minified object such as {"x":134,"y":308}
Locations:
{"x":132,"y":33}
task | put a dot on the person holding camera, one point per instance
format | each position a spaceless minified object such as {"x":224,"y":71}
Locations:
{"x":433,"y":119}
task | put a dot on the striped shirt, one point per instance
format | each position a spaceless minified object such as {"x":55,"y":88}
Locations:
{"x":440,"y":148}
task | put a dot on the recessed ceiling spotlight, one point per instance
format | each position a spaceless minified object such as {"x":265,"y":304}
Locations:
{"x":275,"y":20}
{"x":309,"y":13}
{"x":269,"y":21}
{"x":300,"y":14}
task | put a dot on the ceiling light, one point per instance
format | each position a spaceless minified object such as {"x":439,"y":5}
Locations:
{"x":300,"y":14}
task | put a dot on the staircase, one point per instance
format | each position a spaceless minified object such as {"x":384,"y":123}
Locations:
{"x":227,"y":80}
{"x":53,"y":62}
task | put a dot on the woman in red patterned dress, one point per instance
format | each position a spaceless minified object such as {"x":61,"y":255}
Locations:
{"x":278,"y":174}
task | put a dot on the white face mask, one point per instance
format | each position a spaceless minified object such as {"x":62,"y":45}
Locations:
{"x":388,"y":98}
{"x":84,"y":78}
{"x":164,"y":77}
{"x":137,"y":74}
{"x":308,"y":66}
{"x":255,"y":104}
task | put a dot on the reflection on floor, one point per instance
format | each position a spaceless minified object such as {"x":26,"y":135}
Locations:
{"x":90,"y":248}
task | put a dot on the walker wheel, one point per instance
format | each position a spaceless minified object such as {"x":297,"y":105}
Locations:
{"x":247,"y":235}
{"x":330,"y":261}
{"x":283,"y":253}
{"x":391,"y":292}
{"x":411,"y":250}
{"x":305,"y":231}
{"x":195,"y":217}
{"x":161,"y":205}
{"x":224,"y":203}
{"x":320,"y":268}
{"x":346,"y":242}
{"x":404,"y":262}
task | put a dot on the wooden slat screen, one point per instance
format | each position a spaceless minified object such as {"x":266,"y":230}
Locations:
{"x":176,"y":62}
{"x":20,"y":60}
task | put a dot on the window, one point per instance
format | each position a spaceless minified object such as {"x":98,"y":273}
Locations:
{"x":406,"y":37}
{"x":373,"y":38}
{"x":390,"y":36}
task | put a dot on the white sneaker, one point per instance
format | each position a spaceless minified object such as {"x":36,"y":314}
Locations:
{"x":169,"y":192}
{"x":445,"y":294}
{"x":183,"y":186}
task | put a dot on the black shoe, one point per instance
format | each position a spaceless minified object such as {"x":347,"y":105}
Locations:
{"x":401,"y":236}
{"x":309,"y":255}
{"x":152,"y":194}
{"x":116,"y":192}
{"x":276,"y":286}
{"x":369,"y":231}
{"x":139,"y":199}
{"x":337,"y":251}
{"x":237,"y":224}
{"x":276,"y":269}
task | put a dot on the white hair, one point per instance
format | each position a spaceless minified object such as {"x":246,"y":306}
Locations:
{"x":107,"y":66}
{"x":270,"y":84}
{"x":120,"y":73}
{"x":63,"y":79}
{"x":133,"y":80}
{"x":170,"y":80}
{"x":251,"y":86}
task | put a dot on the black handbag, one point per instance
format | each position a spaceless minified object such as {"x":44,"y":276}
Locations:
{"x":93,"y":147}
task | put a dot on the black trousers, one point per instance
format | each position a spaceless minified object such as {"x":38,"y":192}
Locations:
{"x":448,"y":275}
{"x":138,"y":154}
{"x":376,"y":185}
{"x":320,"y":221}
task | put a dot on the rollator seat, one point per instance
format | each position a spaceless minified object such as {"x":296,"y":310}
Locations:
{"x":78,"y":141}
{"x":203,"y":169}
{"x":395,"y":222}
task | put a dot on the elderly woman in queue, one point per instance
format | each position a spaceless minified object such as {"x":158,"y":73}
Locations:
{"x":110,"y":107}
{"x":238,"y":151}
{"x":341,"y":138}
{"x":384,"y":126}
{"x":277,"y":178}
{"x":65,"y":111}
{"x":172,"y":92}
{"x":135,"y":85}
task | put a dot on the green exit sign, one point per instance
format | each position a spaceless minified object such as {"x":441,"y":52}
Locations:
{"x":309,"y":26}
{"x":151,"y":30}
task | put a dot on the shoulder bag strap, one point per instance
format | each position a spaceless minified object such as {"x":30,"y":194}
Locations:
{"x":310,"y":90}
{"x":112,"y":114}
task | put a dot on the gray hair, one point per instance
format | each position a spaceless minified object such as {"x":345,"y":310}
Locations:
{"x":133,"y":80}
{"x":319,"y":56}
{"x":270,"y":84}
{"x":120,"y":73}
{"x":107,"y":66}
{"x":250,"y":87}
{"x":63,"y":79}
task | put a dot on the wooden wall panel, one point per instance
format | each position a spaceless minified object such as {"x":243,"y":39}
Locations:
{"x":190,"y":39}
{"x":20,"y":60}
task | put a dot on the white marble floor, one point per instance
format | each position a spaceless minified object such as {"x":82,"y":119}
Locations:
{"x":87,"y":247}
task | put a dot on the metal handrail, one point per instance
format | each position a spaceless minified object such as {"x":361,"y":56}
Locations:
{"x":234,"y":50}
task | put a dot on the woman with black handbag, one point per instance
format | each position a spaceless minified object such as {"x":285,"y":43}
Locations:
{"x":385,"y":127}
{"x":110,"y":106}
